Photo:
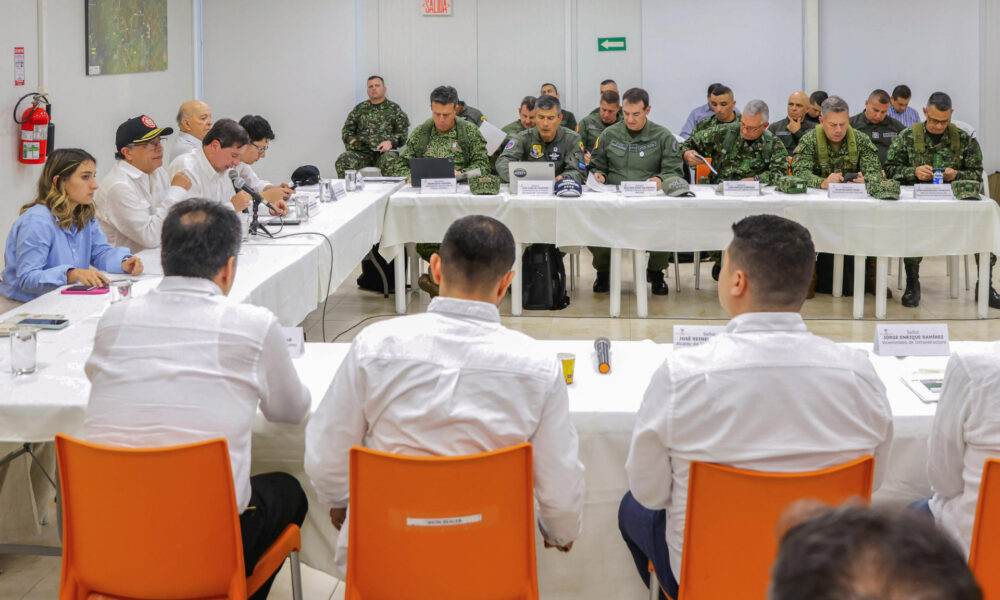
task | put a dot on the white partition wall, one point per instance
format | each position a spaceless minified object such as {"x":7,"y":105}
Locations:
{"x":593,"y":19}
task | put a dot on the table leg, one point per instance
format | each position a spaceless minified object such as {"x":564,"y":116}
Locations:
{"x":881,"y":281}
{"x":859,"y":287}
{"x":616,"y":282}
{"x":515,"y":288}
{"x":838,"y":275}
{"x":955,"y":274}
{"x":400,"y":274}
{"x":414,"y":266}
{"x":984,"y":284}
{"x":639,"y":275}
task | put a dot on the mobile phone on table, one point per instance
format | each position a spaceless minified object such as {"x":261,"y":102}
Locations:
{"x":86,"y":289}
{"x":45,"y":323}
{"x":850,"y":177}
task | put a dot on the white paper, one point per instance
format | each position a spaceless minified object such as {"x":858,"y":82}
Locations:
{"x":338,"y":188}
{"x":534,"y":188}
{"x":596,"y":186}
{"x":687,"y":336}
{"x":933,"y":191}
{"x":741,"y":188}
{"x":493,"y":134}
{"x":847,"y":190}
{"x":639,"y":188}
{"x":295,"y":341}
{"x":916,"y":339}
{"x":438,"y":186}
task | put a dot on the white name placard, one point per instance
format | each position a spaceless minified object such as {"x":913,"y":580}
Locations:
{"x":439,"y":186}
{"x":687,"y":336}
{"x":847,"y":190}
{"x":933,"y":191}
{"x":639,"y":188}
{"x":912,"y":340}
{"x":444,"y":521}
{"x":337,"y":189}
{"x":295,"y":341}
{"x":741,"y":188}
{"x":535,"y":188}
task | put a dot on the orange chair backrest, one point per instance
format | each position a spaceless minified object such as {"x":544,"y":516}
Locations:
{"x":150,"y":522}
{"x":702,"y":171}
{"x":789,"y":165}
{"x":442,"y":527}
{"x":729,"y":533}
{"x":984,"y":553}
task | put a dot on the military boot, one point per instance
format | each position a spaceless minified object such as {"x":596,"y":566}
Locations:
{"x":911,"y":296}
{"x":659,"y":284}
{"x":993,"y":298}
{"x":870,"y":278}
{"x":601,"y":284}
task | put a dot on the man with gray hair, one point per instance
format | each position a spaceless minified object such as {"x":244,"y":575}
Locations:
{"x":874,"y":123}
{"x":834,"y":152}
{"x":546,"y":141}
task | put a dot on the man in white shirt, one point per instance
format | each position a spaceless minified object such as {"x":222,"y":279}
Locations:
{"x":452,"y":381}
{"x":261,"y":135}
{"x":184,"y":363}
{"x":765,"y":395}
{"x":965,"y":433}
{"x":208,"y":167}
{"x":134,"y":196}
{"x":194,"y":120}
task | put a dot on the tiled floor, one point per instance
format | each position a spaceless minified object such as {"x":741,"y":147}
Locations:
{"x":349,"y":310}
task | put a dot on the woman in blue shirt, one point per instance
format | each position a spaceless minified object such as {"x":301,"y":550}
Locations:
{"x":56,"y":240}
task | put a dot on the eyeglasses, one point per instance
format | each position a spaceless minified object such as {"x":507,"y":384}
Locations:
{"x":154,"y":143}
{"x":260,"y":151}
{"x":746,"y":127}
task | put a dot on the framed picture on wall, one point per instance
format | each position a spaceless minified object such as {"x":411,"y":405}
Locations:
{"x":126,"y":36}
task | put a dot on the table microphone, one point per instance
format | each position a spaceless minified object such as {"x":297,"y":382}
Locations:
{"x":241,"y":186}
{"x":603,"y":347}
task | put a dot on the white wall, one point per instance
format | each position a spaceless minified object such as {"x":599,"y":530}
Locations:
{"x":594,"y":19}
{"x":753,"y":46}
{"x":293,"y":64}
{"x":929,"y":46}
{"x":86,"y":110}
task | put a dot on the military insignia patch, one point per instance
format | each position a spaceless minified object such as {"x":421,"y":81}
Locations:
{"x":509,"y":145}
{"x":554,"y":156}
{"x":148,"y":122}
{"x":582,"y":166}
{"x":582,"y":149}
{"x":536,"y":151}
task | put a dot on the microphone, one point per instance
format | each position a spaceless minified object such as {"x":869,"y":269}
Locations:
{"x":603,"y":347}
{"x":241,"y":186}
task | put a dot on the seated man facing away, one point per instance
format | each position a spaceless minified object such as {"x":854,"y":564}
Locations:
{"x":184,"y":363}
{"x":864,"y":554}
{"x":765,"y":395}
{"x":449,"y":382}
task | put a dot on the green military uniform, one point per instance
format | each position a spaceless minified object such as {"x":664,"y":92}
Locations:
{"x":569,"y":120}
{"x":513,"y":127}
{"x":815,"y":158}
{"x":623,"y":155}
{"x":471,"y":114}
{"x":712,"y":122}
{"x":882,"y":134}
{"x":914,"y":147}
{"x":565,"y":150}
{"x":591,"y":128}
{"x":367,"y":126}
{"x":789,"y":139}
{"x":463,"y":143}
{"x":735,"y":157}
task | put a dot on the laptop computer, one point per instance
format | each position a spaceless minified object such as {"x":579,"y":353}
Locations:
{"x":430,"y":168}
{"x":537,"y":171}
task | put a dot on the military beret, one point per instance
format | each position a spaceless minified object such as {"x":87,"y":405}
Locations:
{"x":305,"y":175}
{"x":676,"y":187}
{"x":887,"y":189}
{"x":484,"y":185}
{"x":790,"y":184}
{"x":966,"y":189}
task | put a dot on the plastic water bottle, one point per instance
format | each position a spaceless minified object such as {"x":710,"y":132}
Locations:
{"x":938,"y":176}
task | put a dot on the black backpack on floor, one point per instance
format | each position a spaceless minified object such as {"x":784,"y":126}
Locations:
{"x":543,"y":278}
{"x":371,"y":279}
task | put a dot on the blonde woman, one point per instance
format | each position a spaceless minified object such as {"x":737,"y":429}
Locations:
{"x":56,"y":240}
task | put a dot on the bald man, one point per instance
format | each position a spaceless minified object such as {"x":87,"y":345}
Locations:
{"x":194,"y":119}
{"x":791,"y":129}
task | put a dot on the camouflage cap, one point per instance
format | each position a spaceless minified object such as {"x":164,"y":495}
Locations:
{"x":887,"y":189}
{"x":484,"y":185}
{"x":676,"y":187}
{"x":790,"y":184}
{"x":966,"y":189}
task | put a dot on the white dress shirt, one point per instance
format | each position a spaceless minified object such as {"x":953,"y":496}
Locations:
{"x":184,"y":143}
{"x":206,"y":182}
{"x":131,"y":205}
{"x":451,"y":381}
{"x":765,"y":395}
{"x":184,"y":363}
{"x":966,"y":432}
{"x":256,"y":183}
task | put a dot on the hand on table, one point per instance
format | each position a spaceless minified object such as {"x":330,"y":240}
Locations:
{"x":659,"y":182}
{"x":950,"y":174}
{"x":924,"y":173}
{"x":241,"y":201}
{"x":599,"y":178}
{"x":832,"y":178}
{"x":132,"y":265}
{"x":89,"y":277}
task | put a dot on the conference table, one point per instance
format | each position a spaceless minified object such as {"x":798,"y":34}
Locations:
{"x":858,"y":227}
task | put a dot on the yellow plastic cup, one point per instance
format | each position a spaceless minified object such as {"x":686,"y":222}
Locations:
{"x":568,"y":360}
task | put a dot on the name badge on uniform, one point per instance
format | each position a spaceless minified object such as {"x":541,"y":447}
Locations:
{"x":536,"y":151}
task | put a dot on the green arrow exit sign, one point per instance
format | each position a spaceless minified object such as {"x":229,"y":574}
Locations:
{"x":610,"y":44}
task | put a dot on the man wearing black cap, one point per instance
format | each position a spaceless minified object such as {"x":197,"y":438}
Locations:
{"x":134,"y":197}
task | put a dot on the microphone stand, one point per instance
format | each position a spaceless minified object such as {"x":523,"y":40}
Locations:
{"x":256,"y":227}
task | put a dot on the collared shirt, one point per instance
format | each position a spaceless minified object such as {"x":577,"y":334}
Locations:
{"x":451,"y":381}
{"x":966,"y":432}
{"x":184,"y":363}
{"x":184,"y":143}
{"x":696,"y":116}
{"x":908,"y":117}
{"x":247,"y":173}
{"x":206,"y":182}
{"x":39,"y":253}
{"x":765,"y":395}
{"x":131,"y":205}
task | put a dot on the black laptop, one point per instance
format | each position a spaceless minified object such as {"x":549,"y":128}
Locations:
{"x":431,"y":168}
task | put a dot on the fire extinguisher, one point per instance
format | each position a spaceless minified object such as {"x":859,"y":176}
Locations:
{"x":37,"y":129}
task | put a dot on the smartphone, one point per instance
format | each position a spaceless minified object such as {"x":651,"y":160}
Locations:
{"x":850,"y":177}
{"x":86,"y":289}
{"x":45,"y":323}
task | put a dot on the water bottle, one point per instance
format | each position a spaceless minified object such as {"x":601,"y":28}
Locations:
{"x":938,"y":171}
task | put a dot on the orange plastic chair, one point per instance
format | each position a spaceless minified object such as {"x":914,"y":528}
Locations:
{"x":702,"y":171}
{"x":985,"y":550}
{"x":146,"y":523}
{"x":729,"y":532}
{"x":441,"y":527}
{"x":789,"y":165}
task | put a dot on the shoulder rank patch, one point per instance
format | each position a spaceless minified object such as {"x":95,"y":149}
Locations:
{"x":536,"y":151}
{"x":582,"y":149}
{"x":509,"y":145}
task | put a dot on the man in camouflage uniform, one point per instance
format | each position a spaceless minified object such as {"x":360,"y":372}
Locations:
{"x":791,"y":129}
{"x":723,"y":105}
{"x":569,"y":119}
{"x":372,"y":130}
{"x":469,"y":113}
{"x":874,"y":123}
{"x":828,"y":152}
{"x":594,"y":124}
{"x":913,"y":157}
{"x":525,"y":120}
{"x":636,"y":149}
{"x":546,"y":141}
{"x":444,"y":135}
